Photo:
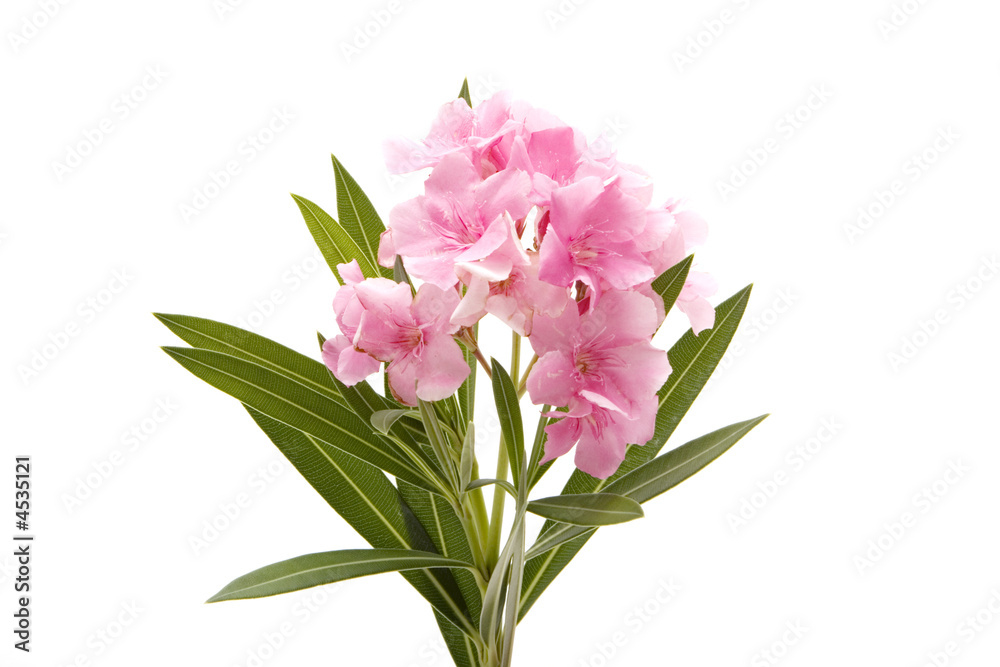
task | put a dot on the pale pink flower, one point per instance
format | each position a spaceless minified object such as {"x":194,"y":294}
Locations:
{"x":550,"y":156}
{"x":475,"y":133}
{"x":601,"y":437}
{"x":349,"y":365}
{"x":413,"y":335}
{"x":460,"y":223}
{"x":683,"y":231}
{"x":602,"y":367}
{"x":514,"y":300}
{"x":591,"y":236}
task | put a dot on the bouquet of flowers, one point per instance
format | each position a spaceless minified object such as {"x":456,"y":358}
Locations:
{"x":556,"y":239}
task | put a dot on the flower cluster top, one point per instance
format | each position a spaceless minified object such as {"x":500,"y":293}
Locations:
{"x":522,"y":219}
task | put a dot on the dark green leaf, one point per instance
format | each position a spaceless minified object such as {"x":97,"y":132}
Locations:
{"x":361,"y":494}
{"x":333,"y":240}
{"x":509,"y":413}
{"x":670,"y":283}
{"x":297,"y":404}
{"x":463,"y":94}
{"x":358,"y":216}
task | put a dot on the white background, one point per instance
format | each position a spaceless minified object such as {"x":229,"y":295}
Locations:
{"x":829,"y":308}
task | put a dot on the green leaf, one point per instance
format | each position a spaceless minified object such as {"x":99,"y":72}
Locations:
{"x":496,"y":589}
{"x":587,"y":509}
{"x":467,"y":392}
{"x":358,"y":216}
{"x":448,"y":536}
{"x":502,"y":483}
{"x":509,"y":413}
{"x":536,"y":471}
{"x":364,"y":497}
{"x":657,"y":476}
{"x":460,"y":645}
{"x":328,"y":567}
{"x":514,"y":598}
{"x":383,"y":420}
{"x":463,"y":94}
{"x":468,"y":460}
{"x":219,"y":337}
{"x":670,"y":283}
{"x":692,"y":358}
{"x":300,"y":406}
{"x":333,"y":240}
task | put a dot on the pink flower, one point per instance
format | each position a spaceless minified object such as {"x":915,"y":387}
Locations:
{"x":349,"y":365}
{"x":514,"y":300}
{"x":550,"y":156}
{"x":602,"y":367}
{"x":682,"y":232}
{"x":591,"y":237}
{"x":459,"y":224}
{"x":600,"y":436}
{"x":475,"y":133}
{"x":412,"y":334}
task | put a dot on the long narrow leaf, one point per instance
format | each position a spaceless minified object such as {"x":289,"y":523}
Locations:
{"x":297,"y":405}
{"x":333,"y":240}
{"x":670,"y":283}
{"x":358,"y":216}
{"x":364,"y":497}
{"x":220,"y":337}
{"x":328,"y":567}
{"x":509,"y":413}
{"x":657,"y":476}
{"x":587,"y":509}
{"x":449,"y":538}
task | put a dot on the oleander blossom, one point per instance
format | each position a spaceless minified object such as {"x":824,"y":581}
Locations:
{"x":602,"y":368}
{"x":522,"y":219}
{"x":412,"y":334}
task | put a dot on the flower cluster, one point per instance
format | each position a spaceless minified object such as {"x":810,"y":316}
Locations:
{"x":522,"y":219}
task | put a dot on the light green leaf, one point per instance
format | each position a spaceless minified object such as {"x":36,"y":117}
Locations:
{"x":496,"y":589}
{"x":333,"y":240}
{"x":502,"y":483}
{"x":655,"y":477}
{"x":358,"y":216}
{"x":692,"y":358}
{"x":468,"y":460}
{"x":383,"y":420}
{"x":509,"y":413}
{"x":328,"y":567}
{"x":587,"y":509}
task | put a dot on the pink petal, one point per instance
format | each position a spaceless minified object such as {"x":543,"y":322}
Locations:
{"x":433,"y":306}
{"x":441,"y":368}
{"x":472,"y":307}
{"x":598,"y":456}
{"x":551,"y":380}
{"x":347,"y":364}
{"x":699,"y":312}
{"x":561,"y":437}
